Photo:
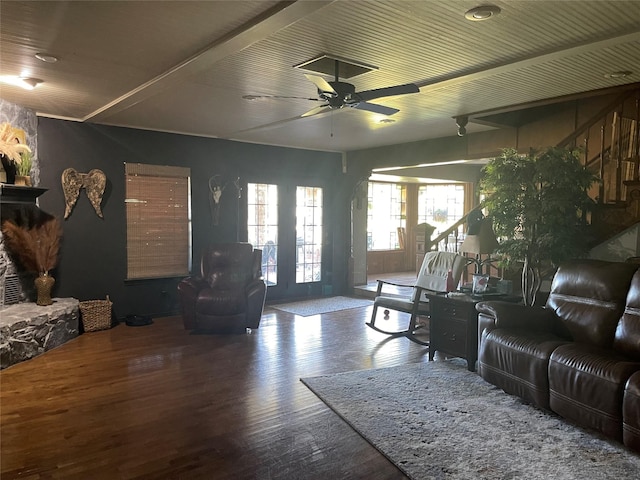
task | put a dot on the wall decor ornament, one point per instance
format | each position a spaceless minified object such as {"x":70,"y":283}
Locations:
{"x":94,"y":184}
{"x":215,"y":193}
{"x":216,"y":187}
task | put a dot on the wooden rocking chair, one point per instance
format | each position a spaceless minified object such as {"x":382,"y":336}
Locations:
{"x":432,"y":278}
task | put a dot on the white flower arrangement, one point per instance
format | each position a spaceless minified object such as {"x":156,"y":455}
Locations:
{"x":12,"y":143}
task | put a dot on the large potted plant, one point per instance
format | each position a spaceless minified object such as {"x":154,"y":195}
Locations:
{"x":538,"y":203}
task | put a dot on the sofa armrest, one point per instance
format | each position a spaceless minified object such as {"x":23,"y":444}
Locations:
{"x":190,"y":286}
{"x":255,"y":287}
{"x":256,"y":294}
{"x":188,"y":289}
{"x":382,"y":283}
{"x":514,"y":315}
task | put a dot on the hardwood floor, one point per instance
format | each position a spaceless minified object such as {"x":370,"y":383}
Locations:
{"x":157,"y":402}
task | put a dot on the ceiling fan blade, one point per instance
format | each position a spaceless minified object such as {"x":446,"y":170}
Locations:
{"x":317,"y":110}
{"x":372,"y":107}
{"x":266,"y":97}
{"x":278,"y":123}
{"x":321,"y":83}
{"x":387,"y":92}
{"x":265,"y":126}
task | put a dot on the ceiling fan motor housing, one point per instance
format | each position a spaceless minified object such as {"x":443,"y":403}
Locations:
{"x":343,"y":93}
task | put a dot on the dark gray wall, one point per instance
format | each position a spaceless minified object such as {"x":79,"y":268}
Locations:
{"x":93,"y":260}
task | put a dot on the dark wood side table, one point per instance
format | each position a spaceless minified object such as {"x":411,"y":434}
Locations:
{"x":453,"y":328}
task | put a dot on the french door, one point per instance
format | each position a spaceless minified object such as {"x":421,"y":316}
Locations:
{"x":287,"y":224}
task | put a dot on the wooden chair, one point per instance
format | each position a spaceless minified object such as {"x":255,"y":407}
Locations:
{"x":432,"y":278}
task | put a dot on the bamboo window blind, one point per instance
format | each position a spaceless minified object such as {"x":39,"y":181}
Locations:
{"x":158,"y":221}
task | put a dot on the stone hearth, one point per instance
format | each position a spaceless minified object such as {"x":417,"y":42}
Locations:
{"x":27,"y":329}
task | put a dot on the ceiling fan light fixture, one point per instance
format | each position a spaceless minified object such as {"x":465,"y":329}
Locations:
{"x":482,"y":12}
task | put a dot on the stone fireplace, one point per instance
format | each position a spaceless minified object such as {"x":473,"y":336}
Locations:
{"x":27,"y":329}
{"x":17,"y":204}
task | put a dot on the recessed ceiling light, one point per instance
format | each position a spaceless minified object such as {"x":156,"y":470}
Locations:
{"x":483,"y":12}
{"x":45,"y":57}
{"x":619,"y":74}
{"x":386,"y":120}
{"x":27,"y":83}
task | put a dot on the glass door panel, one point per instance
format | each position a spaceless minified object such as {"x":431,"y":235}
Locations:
{"x":308,"y":234}
{"x":262,"y":226}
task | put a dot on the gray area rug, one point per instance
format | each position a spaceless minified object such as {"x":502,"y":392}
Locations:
{"x":440,"y":421}
{"x":317,"y":306}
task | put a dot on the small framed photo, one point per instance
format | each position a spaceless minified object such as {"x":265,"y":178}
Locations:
{"x":480,"y":284}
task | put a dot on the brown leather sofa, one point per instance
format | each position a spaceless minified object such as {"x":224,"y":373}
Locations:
{"x":228,"y":296}
{"x":631,"y":413}
{"x":579,"y":355}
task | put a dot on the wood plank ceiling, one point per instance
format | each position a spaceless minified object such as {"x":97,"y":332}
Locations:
{"x":185,"y":66}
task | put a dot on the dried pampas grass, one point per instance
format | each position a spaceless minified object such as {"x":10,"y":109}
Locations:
{"x":37,"y":248}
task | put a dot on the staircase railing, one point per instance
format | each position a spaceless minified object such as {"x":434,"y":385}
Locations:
{"x":610,"y":143}
{"x":451,"y":239}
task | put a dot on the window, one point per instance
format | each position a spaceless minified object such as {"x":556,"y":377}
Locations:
{"x":158,"y":211}
{"x":440,"y":205}
{"x":386,"y":215}
{"x":262,"y":226}
{"x":308,"y":234}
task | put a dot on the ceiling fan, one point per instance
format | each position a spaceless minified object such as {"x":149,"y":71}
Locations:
{"x":337,"y":94}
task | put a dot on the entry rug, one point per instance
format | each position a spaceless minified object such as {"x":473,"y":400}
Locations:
{"x":317,"y":306}
{"x":437,"y":420}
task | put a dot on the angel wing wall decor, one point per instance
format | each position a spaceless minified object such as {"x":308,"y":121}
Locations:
{"x":93,"y":182}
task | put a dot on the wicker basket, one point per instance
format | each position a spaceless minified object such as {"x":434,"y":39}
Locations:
{"x":96,"y":314}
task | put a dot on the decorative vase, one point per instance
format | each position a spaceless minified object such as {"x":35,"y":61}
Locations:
{"x":10,"y":169}
{"x":24,"y":180}
{"x":44,"y":284}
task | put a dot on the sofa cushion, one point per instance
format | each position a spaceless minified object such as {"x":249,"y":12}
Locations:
{"x":517,"y":361}
{"x":588,"y":297}
{"x":631,"y":413}
{"x":586,"y":385}
{"x":228,"y":265}
{"x":627,"y":336}
{"x":221,"y":302}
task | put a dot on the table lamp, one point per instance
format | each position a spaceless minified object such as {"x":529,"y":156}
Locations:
{"x":480,"y":240}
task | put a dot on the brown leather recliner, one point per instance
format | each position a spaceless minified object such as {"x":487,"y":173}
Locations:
{"x":228,"y":296}
{"x":575,"y":355}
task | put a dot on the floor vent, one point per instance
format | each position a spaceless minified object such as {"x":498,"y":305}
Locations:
{"x":12,"y":290}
